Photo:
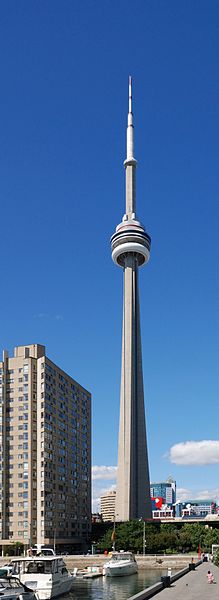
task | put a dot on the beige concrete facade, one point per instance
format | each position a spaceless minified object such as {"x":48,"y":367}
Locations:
{"x":45,"y":477}
{"x":130,"y":246}
{"x":133,"y":487}
{"x":108,"y":505}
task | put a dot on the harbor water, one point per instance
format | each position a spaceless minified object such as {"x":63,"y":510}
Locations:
{"x":114,"y":588}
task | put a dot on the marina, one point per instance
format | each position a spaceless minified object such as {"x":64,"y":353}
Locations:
{"x":191,"y":582}
{"x":48,"y":577}
{"x":114,"y":588}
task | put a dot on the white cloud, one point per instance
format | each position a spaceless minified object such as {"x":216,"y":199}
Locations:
{"x":97,"y":492}
{"x":104,"y":480}
{"x":207,"y":494}
{"x":184,"y":494}
{"x":101,"y":475}
{"x":57,"y":317}
{"x":103,"y":472}
{"x":205,"y":452}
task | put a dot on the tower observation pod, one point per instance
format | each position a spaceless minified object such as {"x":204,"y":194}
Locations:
{"x":130,"y":245}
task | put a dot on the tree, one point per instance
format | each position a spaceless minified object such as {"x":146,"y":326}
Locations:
{"x":167,"y":537}
{"x":216,"y":558}
{"x":15,"y":549}
{"x":211,"y":536}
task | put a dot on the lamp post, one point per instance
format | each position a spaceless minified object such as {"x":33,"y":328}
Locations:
{"x":113,"y":536}
{"x":144,"y":540}
{"x":54,"y":541}
{"x":30,"y":535}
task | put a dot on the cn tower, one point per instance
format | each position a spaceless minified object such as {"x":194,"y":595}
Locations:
{"x":130,"y":246}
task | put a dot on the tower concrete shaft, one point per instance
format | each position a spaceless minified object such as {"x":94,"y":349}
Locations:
{"x":131,"y":249}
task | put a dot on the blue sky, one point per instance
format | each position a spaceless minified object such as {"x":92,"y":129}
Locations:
{"x":64,"y":83}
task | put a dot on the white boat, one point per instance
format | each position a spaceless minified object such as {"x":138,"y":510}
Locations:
{"x":47,"y":576}
{"x":11,"y":588}
{"x":120,"y":563}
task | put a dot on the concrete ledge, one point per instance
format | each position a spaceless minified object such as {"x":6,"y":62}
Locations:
{"x":148,"y":592}
{"x":158,"y":587}
{"x":179,"y":574}
{"x":183,"y":572}
{"x":153,"y":561}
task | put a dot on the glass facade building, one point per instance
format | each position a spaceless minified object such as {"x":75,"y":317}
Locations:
{"x":165,"y":490}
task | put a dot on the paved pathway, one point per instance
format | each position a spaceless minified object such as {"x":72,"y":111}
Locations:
{"x":194,"y":585}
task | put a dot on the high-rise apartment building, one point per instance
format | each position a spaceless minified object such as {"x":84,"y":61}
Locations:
{"x":108,"y":505}
{"x":45,"y":475}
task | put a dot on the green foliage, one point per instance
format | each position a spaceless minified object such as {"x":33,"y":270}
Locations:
{"x":15,"y":549}
{"x":160,"y":538}
{"x":216,"y":558}
{"x":211,"y":537}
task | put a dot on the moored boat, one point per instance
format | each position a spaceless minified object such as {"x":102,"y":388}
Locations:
{"x":120,"y":564}
{"x":47,"y":576}
{"x":11,"y":587}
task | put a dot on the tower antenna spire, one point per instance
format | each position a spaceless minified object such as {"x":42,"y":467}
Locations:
{"x":130,"y":128}
{"x":130,"y":94}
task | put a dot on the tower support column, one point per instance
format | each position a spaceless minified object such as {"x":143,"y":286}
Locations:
{"x":133,"y":472}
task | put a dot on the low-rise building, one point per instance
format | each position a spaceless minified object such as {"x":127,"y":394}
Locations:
{"x":198,"y":508}
{"x":163,"y":513}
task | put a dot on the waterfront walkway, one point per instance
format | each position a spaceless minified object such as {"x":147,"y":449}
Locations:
{"x":191,"y":586}
{"x":194,"y":585}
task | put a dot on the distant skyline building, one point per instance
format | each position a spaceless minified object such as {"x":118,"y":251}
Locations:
{"x":108,"y":505}
{"x":165,"y":490}
{"x":130,"y":246}
{"x":45,"y":439}
{"x":195,"y":508}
